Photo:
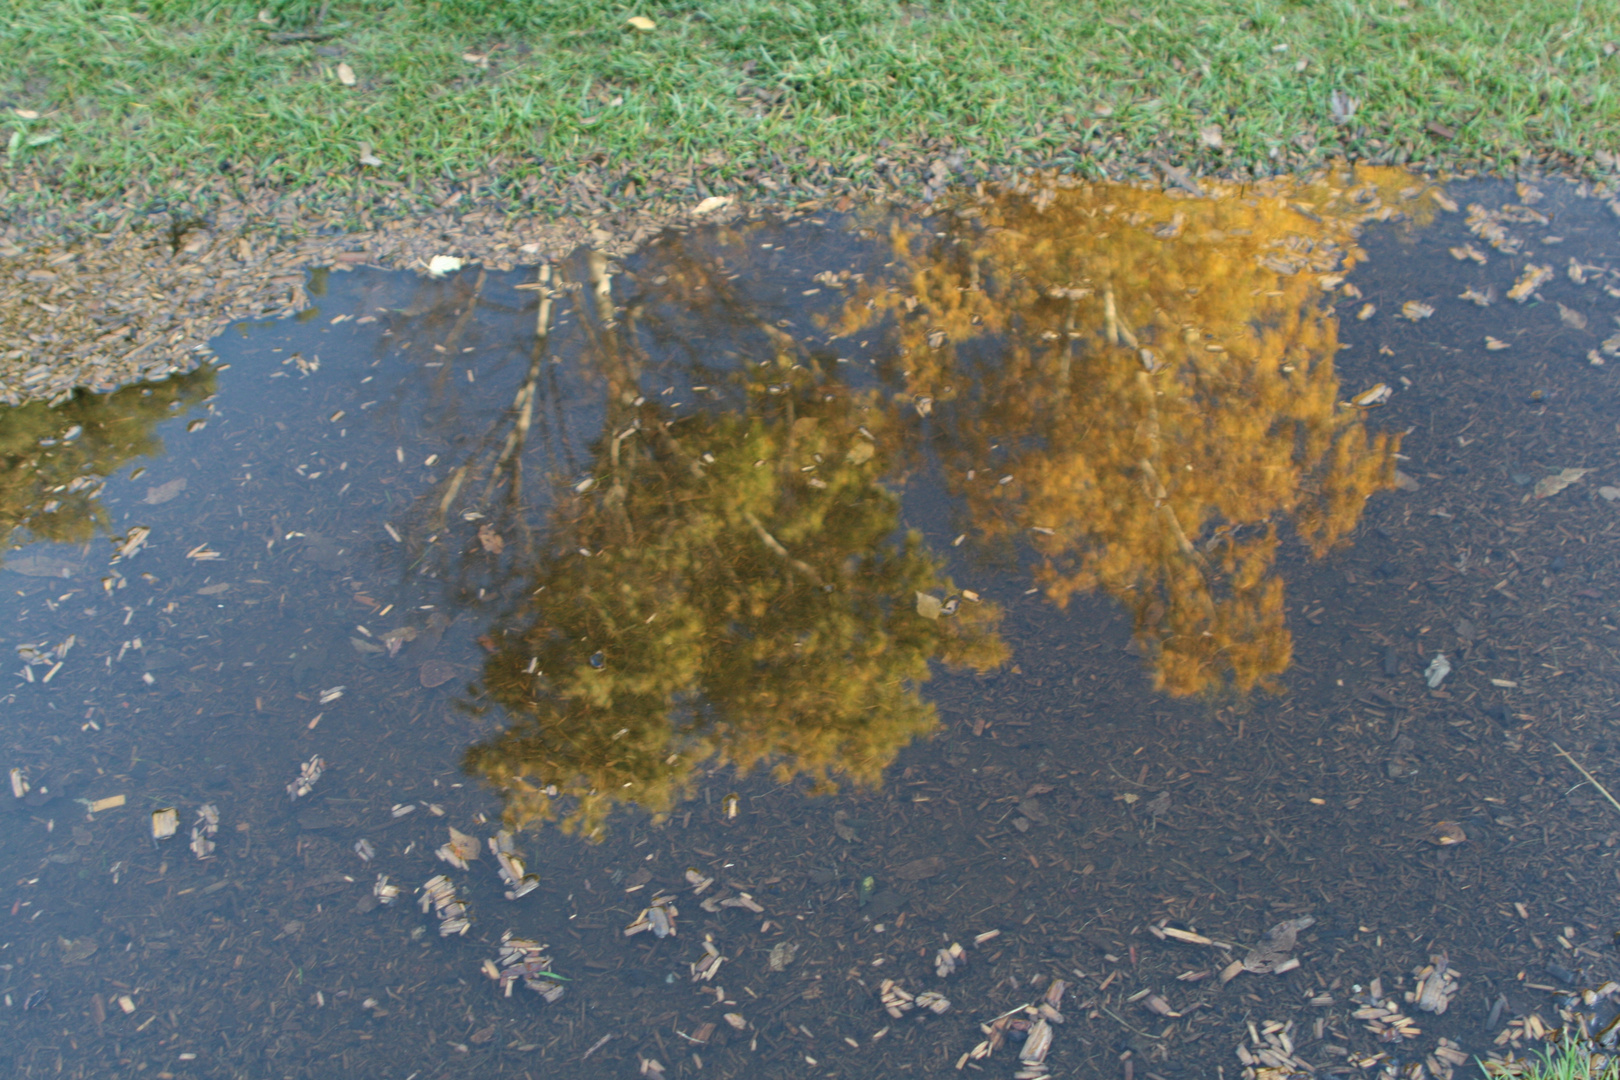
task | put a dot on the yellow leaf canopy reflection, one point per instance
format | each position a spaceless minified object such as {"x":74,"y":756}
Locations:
{"x":1140,"y":385}
{"x":729,"y":591}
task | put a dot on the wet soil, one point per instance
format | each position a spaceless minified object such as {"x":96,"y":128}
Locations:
{"x":347,"y":558}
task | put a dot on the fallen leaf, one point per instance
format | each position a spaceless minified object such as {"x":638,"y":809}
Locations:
{"x":1416,"y":310}
{"x":1571,"y":318}
{"x":1612,"y":494}
{"x":1468,"y":251}
{"x":490,"y":540}
{"x":345,"y":74}
{"x":641,"y":22}
{"x":1211,"y":136}
{"x":162,"y":493}
{"x":1549,"y":486}
{"x":1529,"y":281}
{"x":367,"y":157}
{"x":440,"y":265}
{"x":26,"y":114}
{"x":919,"y":869}
{"x":1366,"y":312}
{"x":929,"y":607}
{"x":711,"y":204}
{"x":1494,"y":344}
{"x":435,"y":673}
{"x":1405,"y":482}
{"x":1483,"y":299}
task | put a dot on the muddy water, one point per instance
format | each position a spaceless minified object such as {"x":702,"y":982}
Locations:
{"x":1022,"y":571}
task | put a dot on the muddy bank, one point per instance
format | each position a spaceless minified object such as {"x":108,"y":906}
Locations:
{"x":98,"y":296}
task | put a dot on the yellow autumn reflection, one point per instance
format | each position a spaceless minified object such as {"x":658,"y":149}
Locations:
{"x":729,"y":591}
{"x":1140,"y":384}
{"x":53,"y":460}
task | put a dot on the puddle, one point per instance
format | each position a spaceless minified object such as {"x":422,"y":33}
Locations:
{"x":1022,"y":577}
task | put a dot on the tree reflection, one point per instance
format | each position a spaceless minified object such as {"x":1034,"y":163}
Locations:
{"x":1141,"y":385}
{"x":729,"y":592}
{"x":56,"y":459}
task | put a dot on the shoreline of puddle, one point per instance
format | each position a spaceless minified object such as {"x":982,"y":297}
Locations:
{"x":1065,"y":819}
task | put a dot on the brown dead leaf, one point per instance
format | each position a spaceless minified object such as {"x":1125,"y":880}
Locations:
{"x":1571,"y":318}
{"x":642,"y":23}
{"x":345,"y":74}
{"x":162,"y":493}
{"x":490,"y":540}
{"x":1211,"y":136}
{"x":1549,"y":486}
{"x":920,"y":869}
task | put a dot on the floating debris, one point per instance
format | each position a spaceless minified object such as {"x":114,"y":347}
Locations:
{"x":1037,"y":1044}
{"x":1495,"y":344}
{"x":1447,"y":834}
{"x":1533,"y":278}
{"x":19,"y":783}
{"x":439,"y":893}
{"x":203,"y":830}
{"x":384,"y":892}
{"x":165,"y":823}
{"x":1051,"y":1002}
{"x":524,"y":960}
{"x":1372,"y":397}
{"x":948,"y":960}
{"x":898,"y":1001}
{"x":401,"y":809}
{"x":1385,"y":1020}
{"x":1468,"y":251}
{"x":510,"y":866}
{"x":697,"y":880}
{"x":709,"y":963}
{"x":460,"y":851}
{"x":659,"y":917}
{"x":1416,"y":310}
{"x":363,"y":848}
{"x":308,"y":773}
{"x":782,"y":954}
{"x":1477,"y":297}
{"x":1271,"y":954}
{"x":1436,"y":985}
{"x":1436,"y":672}
{"x":1270,"y":1053}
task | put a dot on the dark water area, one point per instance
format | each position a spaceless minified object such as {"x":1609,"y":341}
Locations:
{"x":1061,"y":576}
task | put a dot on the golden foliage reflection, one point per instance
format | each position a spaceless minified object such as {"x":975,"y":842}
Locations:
{"x":54,"y":459}
{"x":1140,"y":384}
{"x":729,"y":591}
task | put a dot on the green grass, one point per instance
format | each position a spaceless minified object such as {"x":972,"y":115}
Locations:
{"x":1569,"y":1063}
{"x":792,"y":90}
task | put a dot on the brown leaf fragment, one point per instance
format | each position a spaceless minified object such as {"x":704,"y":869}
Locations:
{"x":1571,"y":318}
{"x":1531,"y":279}
{"x":490,"y":540}
{"x":162,"y":493}
{"x":1446,"y":834}
{"x":1549,"y":486}
{"x":920,"y":869}
{"x":1468,"y":251}
{"x":436,"y":673}
{"x":1495,"y":344}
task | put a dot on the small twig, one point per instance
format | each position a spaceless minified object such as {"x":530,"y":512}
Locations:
{"x":1110,"y":1012}
{"x":1594,"y":780}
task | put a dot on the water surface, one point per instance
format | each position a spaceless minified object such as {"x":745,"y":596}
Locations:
{"x":1026,"y":568}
